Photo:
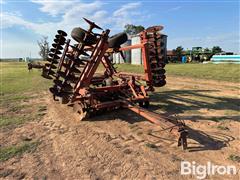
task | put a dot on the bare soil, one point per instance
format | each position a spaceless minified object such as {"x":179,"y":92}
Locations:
{"x":122,"y":145}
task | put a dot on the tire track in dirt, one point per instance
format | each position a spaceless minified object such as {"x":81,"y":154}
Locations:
{"x":90,"y":151}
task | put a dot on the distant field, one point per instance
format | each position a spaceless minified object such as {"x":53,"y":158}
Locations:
{"x":222,"y":72}
{"x":13,"y":70}
{"x":15,"y":78}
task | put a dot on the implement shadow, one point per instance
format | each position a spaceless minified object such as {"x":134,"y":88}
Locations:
{"x":179,"y":101}
{"x":204,"y":141}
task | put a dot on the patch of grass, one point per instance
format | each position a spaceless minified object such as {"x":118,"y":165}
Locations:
{"x":234,"y":157}
{"x":216,"y":119}
{"x":17,"y":150}
{"x":18,"y":86}
{"x":16,"y":97}
{"x":42,"y":108}
{"x":229,"y":112}
{"x":17,"y":107}
{"x":15,"y":120}
{"x":40,"y":115}
{"x":223,"y":128}
{"x":17,"y":79}
{"x":221,"y":72}
{"x":150,"y":145}
{"x":132,"y":126}
{"x":175,"y":158}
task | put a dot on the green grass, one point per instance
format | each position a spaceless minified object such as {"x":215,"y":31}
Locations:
{"x":42,"y":108}
{"x":150,"y":145}
{"x":18,"y":86}
{"x":220,"y":72}
{"x":17,"y":150}
{"x":15,"y":78}
{"x":234,"y":157}
{"x":223,"y":72}
{"x":224,"y":128}
{"x":13,"y":120}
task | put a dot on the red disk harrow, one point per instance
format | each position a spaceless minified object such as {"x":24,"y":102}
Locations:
{"x":76,"y":83}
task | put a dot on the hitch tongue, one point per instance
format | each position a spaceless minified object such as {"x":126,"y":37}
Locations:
{"x":176,"y":129}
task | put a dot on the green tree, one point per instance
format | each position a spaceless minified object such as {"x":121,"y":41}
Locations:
{"x":178,"y":51}
{"x":207,"y":50}
{"x":207,"y":54}
{"x":44,"y":47}
{"x":216,"y":49}
{"x":132,"y":29}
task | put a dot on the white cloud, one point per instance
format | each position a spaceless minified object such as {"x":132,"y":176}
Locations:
{"x":129,"y":13}
{"x":70,"y":14}
{"x":126,"y":9}
{"x":72,"y":17}
{"x":10,"y":19}
{"x":92,"y":11}
{"x":54,"y":7}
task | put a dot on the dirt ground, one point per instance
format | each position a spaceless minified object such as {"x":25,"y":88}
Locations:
{"x":122,"y":145}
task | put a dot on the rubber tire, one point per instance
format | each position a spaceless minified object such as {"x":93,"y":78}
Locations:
{"x":117,"y":40}
{"x":64,"y":99}
{"x":78,"y":35}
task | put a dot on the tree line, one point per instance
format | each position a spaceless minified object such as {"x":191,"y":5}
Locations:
{"x":207,"y":53}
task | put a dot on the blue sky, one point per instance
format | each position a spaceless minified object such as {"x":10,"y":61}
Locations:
{"x":188,"y":23}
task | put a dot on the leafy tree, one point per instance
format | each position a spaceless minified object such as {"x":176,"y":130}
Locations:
{"x":216,"y":49}
{"x":207,"y":50}
{"x":132,"y":29}
{"x":44,"y":47}
{"x":178,"y":51}
{"x":207,"y":54}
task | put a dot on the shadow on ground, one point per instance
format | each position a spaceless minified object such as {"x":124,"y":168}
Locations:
{"x":180,"y":101}
{"x":203,"y":141}
{"x":208,"y":141}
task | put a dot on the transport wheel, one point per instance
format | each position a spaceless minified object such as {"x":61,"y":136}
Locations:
{"x":64,"y":99}
{"x":116,"y":40}
{"x":80,"y":109}
{"x":78,"y":35}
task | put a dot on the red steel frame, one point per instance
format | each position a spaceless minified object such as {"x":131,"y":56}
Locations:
{"x":86,"y":78}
